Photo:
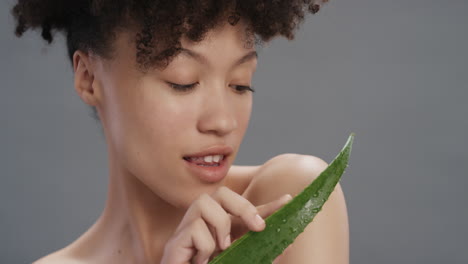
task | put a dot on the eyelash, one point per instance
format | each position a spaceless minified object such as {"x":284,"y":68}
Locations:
{"x":186,"y":87}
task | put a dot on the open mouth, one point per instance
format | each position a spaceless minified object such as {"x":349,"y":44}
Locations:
{"x":206,"y":161}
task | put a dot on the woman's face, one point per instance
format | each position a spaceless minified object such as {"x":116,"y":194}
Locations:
{"x":152,"y":125}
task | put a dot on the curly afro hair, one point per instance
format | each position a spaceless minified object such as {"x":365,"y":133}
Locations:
{"x":91,"y":25}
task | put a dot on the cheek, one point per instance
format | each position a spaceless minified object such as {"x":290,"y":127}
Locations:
{"x":163,"y":124}
{"x":160,"y":123}
{"x":146,"y":126}
{"x":155,"y":135}
{"x":244,"y":111}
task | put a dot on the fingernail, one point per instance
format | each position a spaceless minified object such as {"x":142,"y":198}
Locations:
{"x":227,"y":241}
{"x":259,"y":220}
{"x":286,"y":198}
{"x":205,"y":262}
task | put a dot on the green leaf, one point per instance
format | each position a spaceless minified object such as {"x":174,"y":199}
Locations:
{"x":283,"y":226}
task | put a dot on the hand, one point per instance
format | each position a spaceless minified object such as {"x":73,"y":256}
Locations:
{"x":211,"y":222}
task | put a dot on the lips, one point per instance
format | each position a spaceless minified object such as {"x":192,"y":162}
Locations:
{"x":213,"y":160}
{"x":209,"y":165}
{"x":211,"y":151}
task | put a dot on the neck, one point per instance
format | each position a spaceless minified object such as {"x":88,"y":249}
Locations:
{"x":131,"y":228}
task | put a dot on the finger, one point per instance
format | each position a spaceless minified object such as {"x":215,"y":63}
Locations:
{"x":173,"y":253}
{"x":214,"y":215}
{"x":213,"y":234}
{"x":238,"y":227}
{"x":239,"y":206}
{"x":197,"y":239}
{"x":202,"y":240}
{"x":215,"y":253}
{"x":267,"y":209}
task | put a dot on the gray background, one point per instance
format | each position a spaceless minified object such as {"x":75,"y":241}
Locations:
{"x":394,"y":72}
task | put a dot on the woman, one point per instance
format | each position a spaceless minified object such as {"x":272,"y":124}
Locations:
{"x":170,"y":83}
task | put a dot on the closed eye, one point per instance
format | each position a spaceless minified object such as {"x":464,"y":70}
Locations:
{"x":182,"y":87}
{"x":243,"y":88}
{"x":186,"y":87}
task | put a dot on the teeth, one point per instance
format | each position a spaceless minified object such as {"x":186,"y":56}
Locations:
{"x":208,"y":158}
{"x":213,"y":158}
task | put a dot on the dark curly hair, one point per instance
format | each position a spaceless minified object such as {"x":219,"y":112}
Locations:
{"x":91,"y":25}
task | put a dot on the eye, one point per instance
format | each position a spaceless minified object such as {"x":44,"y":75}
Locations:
{"x":182,"y":87}
{"x":243,"y":88}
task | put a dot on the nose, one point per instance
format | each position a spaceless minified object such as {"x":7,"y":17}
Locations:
{"x":218,"y":115}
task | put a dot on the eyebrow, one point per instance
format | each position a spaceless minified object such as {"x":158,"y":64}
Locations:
{"x":202,"y":59}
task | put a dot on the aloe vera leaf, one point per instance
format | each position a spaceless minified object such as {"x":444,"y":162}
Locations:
{"x":283,"y":226}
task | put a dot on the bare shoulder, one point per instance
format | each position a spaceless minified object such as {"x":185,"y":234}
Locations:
{"x":58,"y":257}
{"x":290,"y":174}
{"x":239,"y":177}
{"x":282,"y":174}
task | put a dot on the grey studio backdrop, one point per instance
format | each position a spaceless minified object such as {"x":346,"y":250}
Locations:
{"x":393,"y":72}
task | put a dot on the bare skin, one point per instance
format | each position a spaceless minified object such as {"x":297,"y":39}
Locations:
{"x":156,"y":211}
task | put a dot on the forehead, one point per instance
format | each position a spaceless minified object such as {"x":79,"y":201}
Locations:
{"x":224,"y":38}
{"x":237,"y":37}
